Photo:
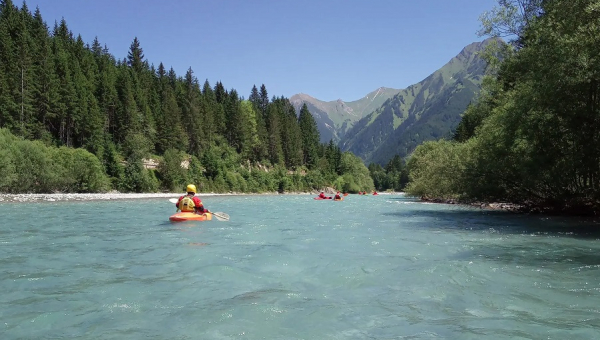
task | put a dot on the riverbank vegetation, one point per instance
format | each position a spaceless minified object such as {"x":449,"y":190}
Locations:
{"x":533,"y":137}
{"x":75,"y":118}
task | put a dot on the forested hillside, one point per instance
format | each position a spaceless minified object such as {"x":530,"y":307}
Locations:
{"x":533,"y":136}
{"x":59,"y":94}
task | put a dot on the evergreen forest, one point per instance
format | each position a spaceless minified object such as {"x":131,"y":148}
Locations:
{"x":533,"y":136}
{"x":74,"y":118}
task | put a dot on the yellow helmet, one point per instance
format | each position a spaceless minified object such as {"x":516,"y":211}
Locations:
{"x":191,"y":188}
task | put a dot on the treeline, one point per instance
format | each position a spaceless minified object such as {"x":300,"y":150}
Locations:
{"x":57,"y":92}
{"x":393,"y":176}
{"x":533,"y":137}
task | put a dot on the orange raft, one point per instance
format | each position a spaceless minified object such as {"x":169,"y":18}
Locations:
{"x":190,"y":216}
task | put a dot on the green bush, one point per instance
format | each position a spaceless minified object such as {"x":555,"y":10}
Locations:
{"x":172,"y":175}
{"x":437,"y":170}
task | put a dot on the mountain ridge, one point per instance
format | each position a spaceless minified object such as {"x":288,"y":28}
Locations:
{"x":335,"y":117}
{"x":398,"y":120}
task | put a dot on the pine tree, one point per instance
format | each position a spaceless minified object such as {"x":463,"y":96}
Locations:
{"x":236,"y":124}
{"x":10,"y":73}
{"x":264,"y":101}
{"x":254,"y":146}
{"x":291,"y":136}
{"x":274,"y":135}
{"x":45,"y":94}
{"x":135,"y":56}
{"x":254,"y":97}
{"x":127,"y":115}
{"x":92,"y":122}
{"x":190,"y":111}
{"x":171,"y":134}
{"x":209,"y":119}
{"x":260,"y":147}
{"x":26,"y":50}
{"x":62,"y":123}
{"x":310,"y":137}
{"x":219,"y":95}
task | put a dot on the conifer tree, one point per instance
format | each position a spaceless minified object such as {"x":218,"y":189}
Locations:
{"x":135,"y":56}
{"x":254,"y":97}
{"x":291,"y":136}
{"x":264,"y":100}
{"x":45,"y":92}
{"x":190,"y":111}
{"x":91,"y":128}
{"x":254,"y":146}
{"x":260,"y":148}
{"x":10,"y":73}
{"x":27,"y":71}
{"x":236,"y":124}
{"x":219,"y":95}
{"x":171,"y":134}
{"x":274,"y":135}
{"x":310,"y":137}
{"x":63,"y":122}
{"x":208,"y":113}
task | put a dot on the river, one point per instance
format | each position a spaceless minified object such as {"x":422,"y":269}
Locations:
{"x":290,"y":267}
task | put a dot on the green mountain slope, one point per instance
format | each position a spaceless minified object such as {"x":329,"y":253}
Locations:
{"x":335,"y":118}
{"x":428,"y":110}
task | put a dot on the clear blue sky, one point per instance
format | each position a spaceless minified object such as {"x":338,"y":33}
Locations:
{"x":329,"y":49}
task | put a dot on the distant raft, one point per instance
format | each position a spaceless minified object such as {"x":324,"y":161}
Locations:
{"x":190,"y":216}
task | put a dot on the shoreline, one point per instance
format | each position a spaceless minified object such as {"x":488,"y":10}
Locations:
{"x":58,"y":197}
{"x":499,"y":206}
{"x":65,"y":197}
{"x":514,"y":208}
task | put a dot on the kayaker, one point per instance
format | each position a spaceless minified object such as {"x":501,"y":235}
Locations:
{"x":191,"y":202}
{"x":322,"y":195}
{"x":337,"y":196}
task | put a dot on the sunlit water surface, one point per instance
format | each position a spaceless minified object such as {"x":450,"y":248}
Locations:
{"x":290,"y":267}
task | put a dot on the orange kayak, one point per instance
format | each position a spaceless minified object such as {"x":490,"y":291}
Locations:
{"x":338,"y":199}
{"x":190,"y":216}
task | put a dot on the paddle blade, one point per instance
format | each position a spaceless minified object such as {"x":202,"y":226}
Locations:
{"x":221,"y":216}
{"x":173,"y":200}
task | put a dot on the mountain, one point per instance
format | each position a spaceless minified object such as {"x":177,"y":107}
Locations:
{"x":335,"y":118}
{"x":388,"y":122}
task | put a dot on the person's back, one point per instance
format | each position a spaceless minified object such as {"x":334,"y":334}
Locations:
{"x":186,"y":203}
{"x":190,"y":202}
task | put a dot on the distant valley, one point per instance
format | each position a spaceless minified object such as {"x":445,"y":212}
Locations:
{"x":389,"y":121}
{"x":335,"y":118}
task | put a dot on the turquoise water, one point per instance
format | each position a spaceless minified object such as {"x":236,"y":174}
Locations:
{"x":289,"y":267}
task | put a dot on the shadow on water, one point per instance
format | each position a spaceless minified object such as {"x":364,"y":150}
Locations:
{"x":472,"y":219}
{"x":544,"y":255}
{"x":562,"y":242}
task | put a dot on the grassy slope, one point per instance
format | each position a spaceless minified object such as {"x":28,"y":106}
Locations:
{"x":428,"y":110}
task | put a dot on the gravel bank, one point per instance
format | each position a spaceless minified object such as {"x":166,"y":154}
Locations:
{"x":7,"y":198}
{"x":85,"y":197}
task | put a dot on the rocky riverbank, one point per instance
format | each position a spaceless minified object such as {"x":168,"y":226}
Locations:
{"x":8,"y":198}
{"x":83,"y":197}
{"x":483,"y":205}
